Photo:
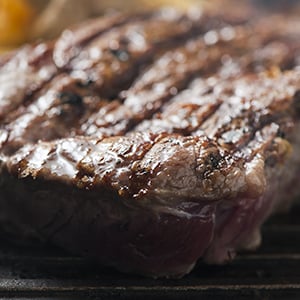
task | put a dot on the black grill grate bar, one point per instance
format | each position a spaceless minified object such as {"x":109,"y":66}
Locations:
{"x":262,"y":291}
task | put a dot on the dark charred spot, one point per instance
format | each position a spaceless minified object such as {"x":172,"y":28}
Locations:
{"x":70,"y":98}
{"x":143,"y":172}
{"x":84,"y":83}
{"x":214,"y":160}
{"x":112,"y":98}
{"x":62,"y":112}
{"x":120,"y":54}
{"x":281,"y":134}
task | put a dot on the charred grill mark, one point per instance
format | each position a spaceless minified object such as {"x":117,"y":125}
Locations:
{"x":240,"y":121}
{"x":152,"y":97}
{"x":88,"y":82}
{"x":70,"y":98}
{"x":214,"y":160}
{"x":33,"y":69}
{"x":73,"y":41}
{"x":121,"y":54}
{"x":118,"y":56}
{"x":259,"y":142}
{"x":174,"y":70}
{"x":69,"y":113}
{"x":242,"y":54}
{"x":245,"y":122}
{"x":127,"y":72}
{"x":125,"y":165}
{"x":240,"y":131}
{"x":34,"y":122}
{"x":84,"y":84}
{"x":140,"y":177}
{"x":116,"y":163}
{"x":185,"y":123}
{"x":115,"y":168}
{"x":262,"y":128}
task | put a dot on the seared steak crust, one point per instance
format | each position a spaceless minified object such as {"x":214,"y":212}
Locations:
{"x":148,"y":142}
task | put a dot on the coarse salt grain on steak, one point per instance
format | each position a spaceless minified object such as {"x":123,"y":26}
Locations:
{"x":150,"y":142}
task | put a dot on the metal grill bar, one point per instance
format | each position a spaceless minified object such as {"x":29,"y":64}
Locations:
{"x":272,"y":272}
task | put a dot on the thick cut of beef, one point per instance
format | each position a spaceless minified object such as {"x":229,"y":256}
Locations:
{"x":150,"y":142}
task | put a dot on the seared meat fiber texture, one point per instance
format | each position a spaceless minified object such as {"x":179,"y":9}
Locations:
{"x":153,"y":141}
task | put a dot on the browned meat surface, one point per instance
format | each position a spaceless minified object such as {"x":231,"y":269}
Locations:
{"x":149,"y":142}
{"x":24,"y":74}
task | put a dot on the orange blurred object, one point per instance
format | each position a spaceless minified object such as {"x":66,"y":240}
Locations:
{"x":16,"y":17}
{"x":28,"y":20}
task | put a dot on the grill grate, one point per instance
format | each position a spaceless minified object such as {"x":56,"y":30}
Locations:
{"x":272,"y":272}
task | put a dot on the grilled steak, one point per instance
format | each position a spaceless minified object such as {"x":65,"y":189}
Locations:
{"x":150,"y":142}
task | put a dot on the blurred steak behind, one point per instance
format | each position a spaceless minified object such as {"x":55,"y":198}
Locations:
{"x":148,"y":142}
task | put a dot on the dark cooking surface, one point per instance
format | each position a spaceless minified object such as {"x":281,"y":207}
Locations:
{"x":273,"y":272}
